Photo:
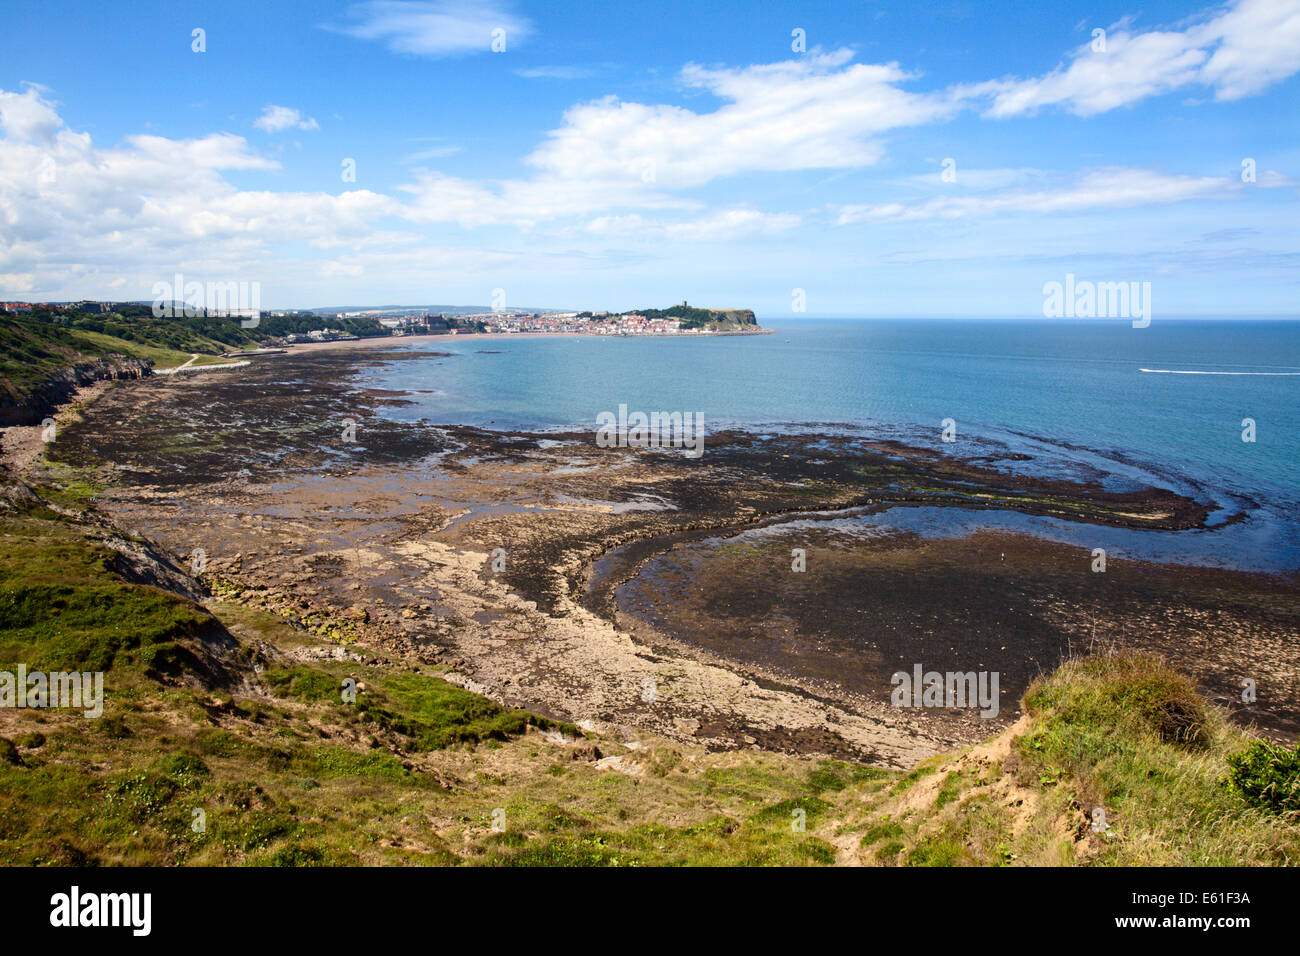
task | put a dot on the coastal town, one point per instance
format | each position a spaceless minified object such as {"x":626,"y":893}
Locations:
{"x":572,"y":323}
{"x":293,"y":327}
{"x":682,"y":319}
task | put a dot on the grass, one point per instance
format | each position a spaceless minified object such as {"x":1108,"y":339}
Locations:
{"x":1134,"y":738}
{"x":29,"y":353}
{"x":1267,"y":776}
{"x":429,"y":712}
{"x":62,"y":607}
{"x":160,"y":356}
{"x":1123,"y":734}
{"x":283,"y":771}
{"x":32,"y":349}
{"x":412,"y":772}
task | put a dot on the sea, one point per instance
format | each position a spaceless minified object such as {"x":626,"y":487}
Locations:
{"x":1207,"y":407}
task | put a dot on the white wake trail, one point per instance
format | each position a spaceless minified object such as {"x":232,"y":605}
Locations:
{"x":1180,"y":371}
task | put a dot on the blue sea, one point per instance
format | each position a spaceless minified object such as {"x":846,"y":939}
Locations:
{"x":1092,"y":399}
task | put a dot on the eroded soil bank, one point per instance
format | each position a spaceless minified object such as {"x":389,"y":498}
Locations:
{"x":619,"y":594}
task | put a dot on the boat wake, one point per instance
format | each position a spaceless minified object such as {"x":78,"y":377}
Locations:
{"x":1182,"y":371}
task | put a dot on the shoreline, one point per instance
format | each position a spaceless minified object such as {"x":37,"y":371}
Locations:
{"x":413,"y":550}
{"x":378,"y":340}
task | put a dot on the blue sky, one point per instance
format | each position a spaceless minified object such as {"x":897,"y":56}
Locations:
{"x":624,"y":155}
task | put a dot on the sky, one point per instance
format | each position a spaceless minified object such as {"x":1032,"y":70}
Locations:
{"x":852,"y":158}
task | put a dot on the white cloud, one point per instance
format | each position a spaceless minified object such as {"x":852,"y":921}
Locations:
{"x":445,"y":28}
{"x":69,"y":209}
{"x":975,"y":178}
{"x":1244,"y":49}
{"x":431,"y":264}
{"x":726,"y":224}
{"x":1132,"y":68}
{"x":27,"y":116}
{"x":525,"y":203}
{"x":815,"y":112}
{"x":433,"y":152}
{"x":72,"y":211}
{"x":1271,"y":179}
{"x":556,"y":73}
{"x":79,"y":219}
{"x":12,"y":283}
{"x":1258,"y":45}
{"x":1113,"y":187}
{"x":274,"y":119}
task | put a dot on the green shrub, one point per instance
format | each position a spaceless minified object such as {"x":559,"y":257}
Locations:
{"x":186,"y":770}
{"x":1131,"y":693}
{"x":1267,"y":776}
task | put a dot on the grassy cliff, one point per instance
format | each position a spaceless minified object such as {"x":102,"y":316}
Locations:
{"x":226,"y":738}
{"x":716,"y":319}
{"x":36,"y":347}
{"x":54,"y":352}
{"x":1118,"y":762}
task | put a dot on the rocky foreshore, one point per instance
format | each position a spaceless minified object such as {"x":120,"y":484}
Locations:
{"x":606,"y":585}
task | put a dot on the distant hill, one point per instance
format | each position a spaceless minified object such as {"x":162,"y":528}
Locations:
{"x":695,"y":318}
